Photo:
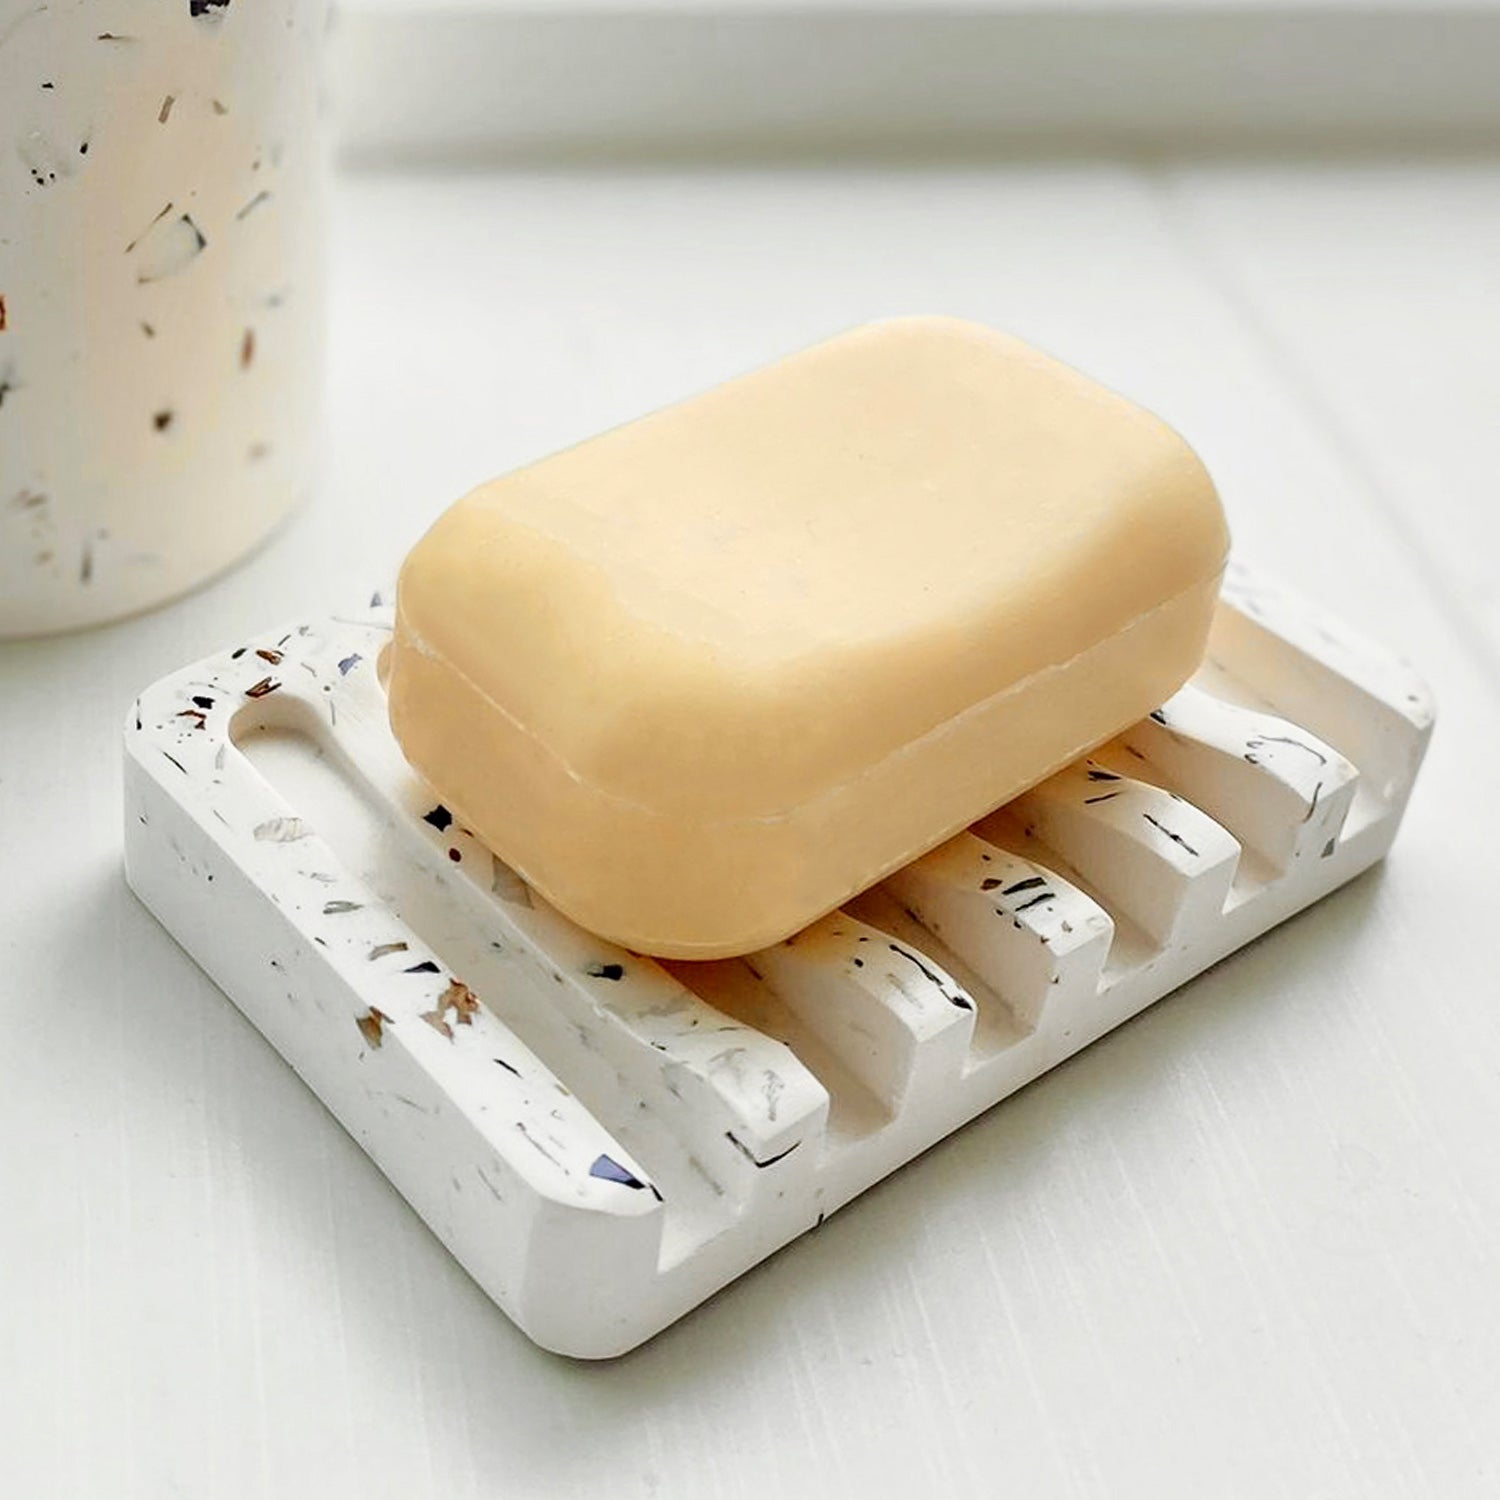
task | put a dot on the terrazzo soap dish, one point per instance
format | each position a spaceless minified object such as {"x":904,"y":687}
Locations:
{"x":602,"y":1138}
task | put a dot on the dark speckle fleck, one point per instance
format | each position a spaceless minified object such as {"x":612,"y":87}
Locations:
{"x":458,"y":998}
{"x":1286,"y":739}
{"x":167,"y":249}
{"x":1328,"y":849}
{"x":162,"y":213}
{"x":338,"y":908}
{"x":253,"y":204}
{"x":912,"y":958}
{"x":1176,"y":838}
{"x":348,"y":664}
{"x":261,"y":688}
{"x":1031,"y":883}
{"x":370,"y":1025}
{"x":611,"y":1171}
{"x":202,"y":700}
{"x":188,"y":242}
{"x":500,"y":1062}
{"x":749,"y":1156}
{"x":605,"y":971}
{"x":425,"y":967}
{"x":1037,"y":900}
{"x":162,"y":420}
{"x":199,"y":8}
{"x":380,"y":950}
{"x":439,"y":817}
{"x":455,"y":856}
{"x":247,"y":349}
{"x":266,"y":653}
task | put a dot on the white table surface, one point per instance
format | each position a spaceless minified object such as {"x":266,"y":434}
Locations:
{"x":1249,"y":1245}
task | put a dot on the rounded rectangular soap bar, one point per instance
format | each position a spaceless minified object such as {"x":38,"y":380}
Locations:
{"x":705,"y":677}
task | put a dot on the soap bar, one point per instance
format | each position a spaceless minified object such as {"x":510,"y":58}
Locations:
{"x":705,"y":677}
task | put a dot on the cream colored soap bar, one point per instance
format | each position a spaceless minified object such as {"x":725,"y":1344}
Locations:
{"x":706,"y":676}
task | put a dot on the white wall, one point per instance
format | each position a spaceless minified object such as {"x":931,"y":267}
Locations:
{"x":684,"y":78}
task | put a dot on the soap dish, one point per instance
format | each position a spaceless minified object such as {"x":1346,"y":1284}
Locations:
{"x":604,"y":1140}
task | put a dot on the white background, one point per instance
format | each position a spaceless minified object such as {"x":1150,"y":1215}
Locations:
{"x":1246,"y":1246}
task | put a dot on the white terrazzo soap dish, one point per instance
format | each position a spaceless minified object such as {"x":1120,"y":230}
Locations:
{"x":603,"y":1140}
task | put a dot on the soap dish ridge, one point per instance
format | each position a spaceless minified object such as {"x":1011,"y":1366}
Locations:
{"x":604,"y":1140}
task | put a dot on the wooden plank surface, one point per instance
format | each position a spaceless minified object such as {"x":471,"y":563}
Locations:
{"x":1245,"y":1246}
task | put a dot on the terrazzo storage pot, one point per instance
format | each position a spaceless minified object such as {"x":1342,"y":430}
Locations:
{"x":160,"y":299}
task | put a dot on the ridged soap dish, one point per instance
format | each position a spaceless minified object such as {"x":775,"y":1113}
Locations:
{"x":604,"y":1140}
